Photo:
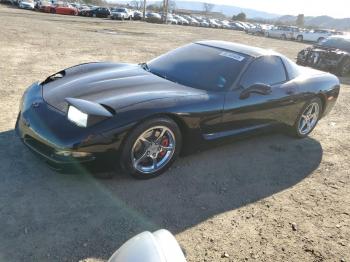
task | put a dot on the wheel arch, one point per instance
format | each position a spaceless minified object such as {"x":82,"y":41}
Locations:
{"x":184,"y":128}
{"x":323,"y":98}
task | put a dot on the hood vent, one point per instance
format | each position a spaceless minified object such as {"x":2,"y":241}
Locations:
{"x":54,"y":77}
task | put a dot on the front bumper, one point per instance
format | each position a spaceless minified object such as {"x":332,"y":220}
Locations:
{"x":46,"y":131}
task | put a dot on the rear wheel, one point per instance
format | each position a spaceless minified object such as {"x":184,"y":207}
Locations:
{"x":151,"y":148}
{"x":307,"y":119}
{"x":300,"y":38}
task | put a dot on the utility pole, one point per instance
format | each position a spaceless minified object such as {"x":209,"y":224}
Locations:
{"x":144,"y":9}
{"x":165,"y":10}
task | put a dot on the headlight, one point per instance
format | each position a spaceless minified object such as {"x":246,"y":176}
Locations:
{"x":77,"y":117}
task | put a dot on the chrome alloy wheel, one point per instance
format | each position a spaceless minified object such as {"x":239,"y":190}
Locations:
{"x":153,"y":149}
{"x":309,"y":118}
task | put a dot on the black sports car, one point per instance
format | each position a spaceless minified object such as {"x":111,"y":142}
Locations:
{"x":332,"y":54}
{"x":144,"y":114}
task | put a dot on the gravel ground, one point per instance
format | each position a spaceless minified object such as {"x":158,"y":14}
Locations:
{"x":267,"y":198}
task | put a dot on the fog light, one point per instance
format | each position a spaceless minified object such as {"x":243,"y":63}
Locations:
{"x":74,"y":154}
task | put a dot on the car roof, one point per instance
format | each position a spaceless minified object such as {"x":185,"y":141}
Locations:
{"x":239,"y":48}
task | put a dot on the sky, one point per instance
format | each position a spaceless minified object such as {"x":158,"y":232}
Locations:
{"x":334,"y":8}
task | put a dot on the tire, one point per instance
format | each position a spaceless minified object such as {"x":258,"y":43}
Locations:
{"x":300,"y":38}
{"x":296,"y":130}
{"x":139,"y":154}
{"x":344,"y":68}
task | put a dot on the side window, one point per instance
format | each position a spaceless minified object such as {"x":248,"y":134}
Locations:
{"x":267,"y":70}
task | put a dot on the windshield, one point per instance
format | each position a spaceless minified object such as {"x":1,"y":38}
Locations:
{"x":199,"y":66}
{"x":121,"y":10}
{"x":337,"y":42}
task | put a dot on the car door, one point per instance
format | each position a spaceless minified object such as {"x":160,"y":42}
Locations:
{"x":259,"y":109}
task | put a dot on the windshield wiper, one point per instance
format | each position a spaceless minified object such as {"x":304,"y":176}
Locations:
{"x":145,"y":66}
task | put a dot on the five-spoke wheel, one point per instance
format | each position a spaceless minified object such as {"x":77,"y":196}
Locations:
{"x":308,"y":118}
{"x":151,"y":147}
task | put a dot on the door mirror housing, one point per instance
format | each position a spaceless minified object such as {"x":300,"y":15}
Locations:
{"x":261,"y":89}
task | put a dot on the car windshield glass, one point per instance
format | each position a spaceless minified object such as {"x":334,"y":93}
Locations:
{"x":120,"y":10}
{"x":337,"y":42}
{"x":199,"y":66}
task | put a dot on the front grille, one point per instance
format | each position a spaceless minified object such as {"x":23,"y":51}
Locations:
{"x":38,"y":146}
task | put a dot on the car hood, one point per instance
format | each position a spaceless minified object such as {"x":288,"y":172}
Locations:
{"x":110,"y":84}
{"x":319,"y":48}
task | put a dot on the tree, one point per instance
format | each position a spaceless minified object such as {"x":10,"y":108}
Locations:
{"x":156,"y":7}
{"x":300,"y":20}
{"x":240,"y":17}
{"x":137,"y":4}
{"x":208,"y":7}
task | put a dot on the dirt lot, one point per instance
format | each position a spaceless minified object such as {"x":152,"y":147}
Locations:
{"x":268,"y":198}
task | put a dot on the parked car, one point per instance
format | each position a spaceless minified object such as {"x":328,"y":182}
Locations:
{"x":121,"y":13}
{"x":214,"y":24}
{"x":226,"y":24}
{"x":64,"y":9}
{"x":256,"y":30}
{"x":145,"y":114}
{"x":171,"y":20}
{"x":153,"y":18}
{"x":237,"y":26}
{"x":192,"y":21}
{"x":83,"y":10}
{"x":332,"y":54}
{"x":102,"y":12}
{"x":181,"y":20}
{"x":137,"y":15}
{"x":283,"y":32}
{"x":313,"y":35}
{"x":45,"y":6}
{"x":202,"y":22}
{"x":26,"y":4}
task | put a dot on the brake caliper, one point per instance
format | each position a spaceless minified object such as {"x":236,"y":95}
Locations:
{"x":165,"y":143}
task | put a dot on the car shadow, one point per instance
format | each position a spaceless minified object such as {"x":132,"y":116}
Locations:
{"x":345,"y":80}
{"x":68,"y":217}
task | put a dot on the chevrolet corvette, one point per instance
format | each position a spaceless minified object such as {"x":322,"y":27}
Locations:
{"x":143,"y":115}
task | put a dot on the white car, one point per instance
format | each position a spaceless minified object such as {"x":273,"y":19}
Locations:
{"x":316,"y":36}
{"x":181,"y":20}
{"x":171,"y":20}
{"x":26,"y":4}
{"x":283,"y":32}
{"x":121,"y":13}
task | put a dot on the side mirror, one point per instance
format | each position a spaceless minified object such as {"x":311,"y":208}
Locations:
{"x":160,"y":246}
{"x":261,"y":89}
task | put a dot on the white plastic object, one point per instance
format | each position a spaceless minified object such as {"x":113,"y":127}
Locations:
{"x":160,"y":246}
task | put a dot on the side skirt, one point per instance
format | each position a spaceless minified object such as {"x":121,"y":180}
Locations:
{"x":234,"y":132}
